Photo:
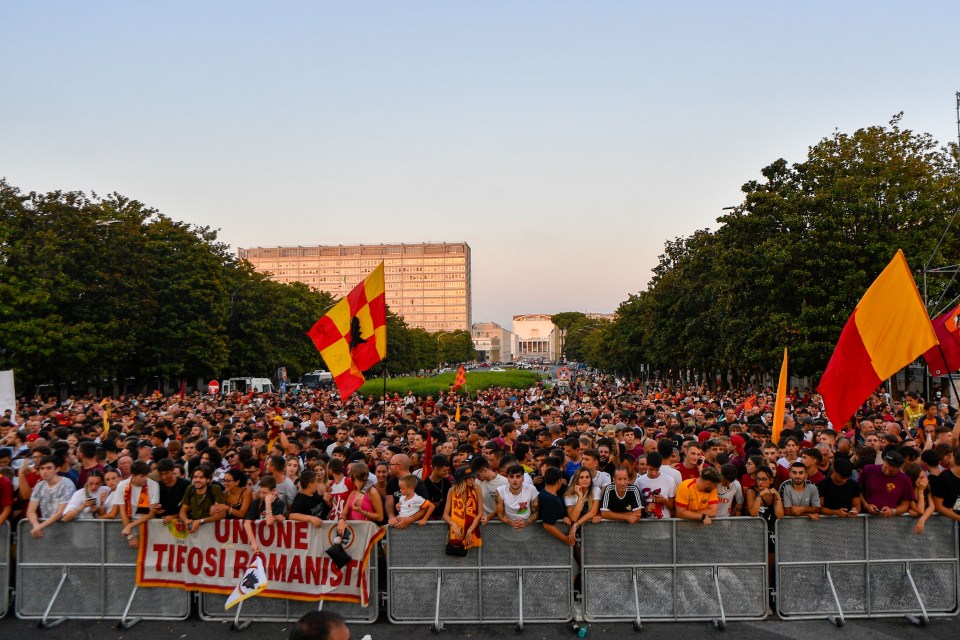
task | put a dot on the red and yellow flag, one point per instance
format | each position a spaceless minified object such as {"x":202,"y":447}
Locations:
{"x":780,"y":404}
{"x":352,"y":336}
{"x":945,"y":358}
{"x":888,"y":329}
{"x":461,"y":379}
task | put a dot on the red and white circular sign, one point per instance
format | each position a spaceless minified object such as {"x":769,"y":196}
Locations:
{"x":213,"y":387}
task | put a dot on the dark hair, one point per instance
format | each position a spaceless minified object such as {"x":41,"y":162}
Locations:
{"x":514,"y":470}
{"x":728,"y":471}
{"x":204,"y":468}
{"x":843,"y":467}
{"x":552,"y":476}
{"x":710,"y":474}
{"x":139,"y":468}
{"x":306,"y":478}
{"x":798,"y":465}
{"x":239,"y":476}
{"x":165,"y":465}
{"x":317,"y":625}
{"x":654,"y":459}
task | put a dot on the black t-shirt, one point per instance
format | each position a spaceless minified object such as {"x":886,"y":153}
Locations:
{"x":437,"y":494}
{"x":947,"y":487}
{"x":393,"y":489}
{"x":834,"y":496}
{"x":258,"y":510}
{"x":552,"y":508}
{"x":171,"y":497}
{"x":310,"y":506}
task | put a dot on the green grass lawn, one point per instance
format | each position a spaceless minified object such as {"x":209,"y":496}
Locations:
{"x":476,"y":381}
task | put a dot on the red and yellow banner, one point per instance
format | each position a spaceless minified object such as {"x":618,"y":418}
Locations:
{"x":352,"y":336}
{"x":297,"y":567}
{"x":780,"y":404}
{"x":888,"y":329}
{"x":945,"y":358}
{"x":461,"y":379}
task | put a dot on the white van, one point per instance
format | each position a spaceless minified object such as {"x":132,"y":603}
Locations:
{"x":246,"y":385}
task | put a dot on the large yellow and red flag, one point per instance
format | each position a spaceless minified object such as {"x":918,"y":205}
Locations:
{"x":888,"y":329}
{"x":780,"y":404}
{"x":352,"y":336}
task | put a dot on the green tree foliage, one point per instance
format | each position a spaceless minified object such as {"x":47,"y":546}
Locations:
{"x":456,"y":346}
{"x":787,"y":266}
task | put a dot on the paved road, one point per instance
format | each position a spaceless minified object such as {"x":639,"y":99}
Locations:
{"x":947,"y":628}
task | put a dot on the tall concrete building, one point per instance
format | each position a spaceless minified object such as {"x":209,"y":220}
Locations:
{"x":427,"y":284}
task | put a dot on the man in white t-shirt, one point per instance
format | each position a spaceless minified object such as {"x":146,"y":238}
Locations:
{"x":657,"y":489}
{"x":517,"y":503}
{"x":489,"y":482}
{"x":137,"y":498}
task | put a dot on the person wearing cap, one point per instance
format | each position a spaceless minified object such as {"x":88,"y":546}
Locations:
{"x":887,"y":491}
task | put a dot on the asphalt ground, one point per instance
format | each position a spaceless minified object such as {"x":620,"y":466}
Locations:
{"x":880,"y":629}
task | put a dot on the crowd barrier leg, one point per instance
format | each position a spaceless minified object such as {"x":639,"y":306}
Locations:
{"x":720,"y":624}
{"x":124,"y":623}
{"x":838,"y":621}
{"x":437,"y":625}
{"x":237,"y":625}
{"x":924,"y":619}
{"x":520,"y":599}
{"x":43,"y":621}
{"x":637,"y":625}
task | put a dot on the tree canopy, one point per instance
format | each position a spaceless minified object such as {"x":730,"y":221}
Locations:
{"x":787,"y":266}
{"x":96,"y":290}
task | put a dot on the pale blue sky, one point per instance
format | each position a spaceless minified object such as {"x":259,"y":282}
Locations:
{"x":565,"y":141}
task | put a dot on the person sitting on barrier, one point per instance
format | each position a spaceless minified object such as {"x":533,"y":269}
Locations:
{"x":462,"y":510}
{"x":135,"y":500}
{"x":269,"y":506}
{"x":697,"y":497}
{"x":517,"y":502}
{"x":200,"y":498}
{"x":887,"y":491}
{"x":839,"y":495}
{"x":88,"y":503}
{"x":657,"y":489}
{"x":412,"y":506}
{"x":922,"y":506}
{"x":50,"y":496}
{"x":320,"y":625}
{"x":946,"y":489}
{"x":621,"y":500}
{"x":800,"y":497}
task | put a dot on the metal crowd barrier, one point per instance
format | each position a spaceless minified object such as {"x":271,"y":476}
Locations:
{"x":86,"y":570}
{"x":4,"y":568}
{"x":675,"y":570}
{"x":866,"y":567}
{"x":282,"y":610}
{"x":517,"y":576}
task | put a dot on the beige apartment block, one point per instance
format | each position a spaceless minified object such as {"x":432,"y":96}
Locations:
{"x":427,"y":284}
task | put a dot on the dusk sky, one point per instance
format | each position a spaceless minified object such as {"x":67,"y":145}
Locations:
{"x":564,"y":141}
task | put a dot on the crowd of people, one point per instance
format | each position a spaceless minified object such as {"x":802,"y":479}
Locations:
{"x":609,"y":450}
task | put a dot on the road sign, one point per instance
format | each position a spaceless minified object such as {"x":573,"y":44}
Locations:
{"x":213,"y":387}
{"x":563,"y":373}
